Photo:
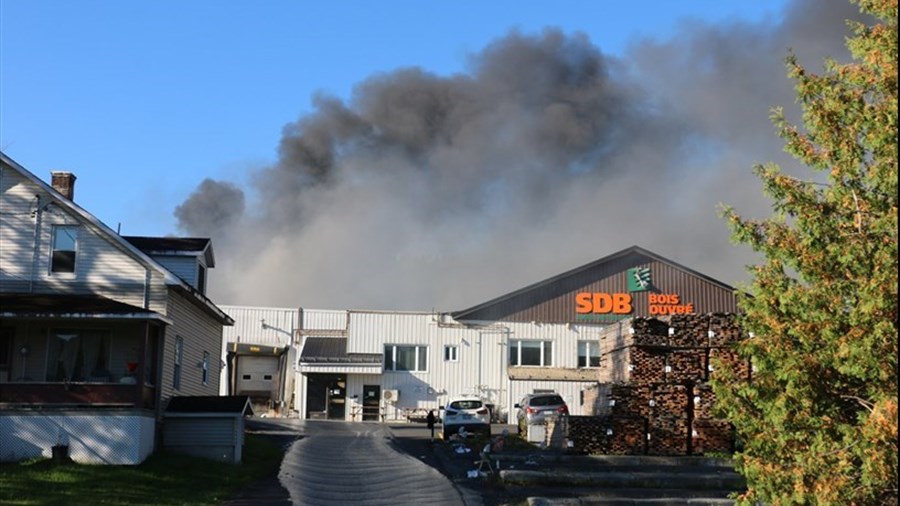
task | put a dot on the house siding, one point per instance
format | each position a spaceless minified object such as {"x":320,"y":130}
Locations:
{"x":185,"y":267}
{"x":200,"y":334}
{"x":101,"y":267}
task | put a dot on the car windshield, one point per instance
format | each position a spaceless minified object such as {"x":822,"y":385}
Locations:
{"x":465,"y":404}
{"x":546,"y":400}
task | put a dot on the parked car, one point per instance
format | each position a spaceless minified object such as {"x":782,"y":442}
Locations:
{"x":469,"y":413}
{"x":535,"y":409}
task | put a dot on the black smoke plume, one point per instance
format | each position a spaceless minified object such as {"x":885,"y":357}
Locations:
{"x":425,"y":191}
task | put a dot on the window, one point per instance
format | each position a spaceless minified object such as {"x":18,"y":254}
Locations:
{"x":78,"y":355}
{"x":179,"y":355}
{"x":65,"y":242}
{"x":588,"y":354}
{"x":246,"y":377}
{"x":530,"y":352}
{"x":6,"y":348}
{"x":405,"y":358}
{"x":205,"y":365}
{"x":451,"y":353}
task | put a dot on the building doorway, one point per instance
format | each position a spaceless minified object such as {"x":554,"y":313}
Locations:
{"x":326,"y":396}
{"x":371,"y":403}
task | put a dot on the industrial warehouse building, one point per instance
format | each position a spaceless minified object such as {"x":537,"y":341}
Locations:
{"x":387,"y":366}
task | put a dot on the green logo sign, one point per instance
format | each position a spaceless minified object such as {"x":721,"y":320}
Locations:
{"x":638,"y":279}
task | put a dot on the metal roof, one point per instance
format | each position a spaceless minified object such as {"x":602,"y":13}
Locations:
{"x":334,"y":350}
{"x":235,"y":404}
{"x":174,"y":246}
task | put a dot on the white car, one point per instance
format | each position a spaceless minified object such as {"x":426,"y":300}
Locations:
{"x":469,"y":413}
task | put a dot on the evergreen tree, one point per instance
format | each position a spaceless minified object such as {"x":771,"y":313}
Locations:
{"x":818,"y":418}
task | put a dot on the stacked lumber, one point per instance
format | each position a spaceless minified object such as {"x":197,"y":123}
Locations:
{"x":668,"y":435}
{"x":689,"y":330}
{"x":686,"y":365}
{"x":656,"y":372}
{"x":631,"y":400}
{"x":605,"y":435}
{"x":712,"y":436}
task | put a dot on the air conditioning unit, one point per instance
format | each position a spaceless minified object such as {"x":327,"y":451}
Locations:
{"x":388,"y":395}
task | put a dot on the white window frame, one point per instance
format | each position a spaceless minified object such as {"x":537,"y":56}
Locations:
{"x":515,"y":352}
{"x":54,"y":247}
{"x":451,"y":353}
{"x":391,"y":352}
{"x":204,"y":378}
{"x":179,"y":357}
{"x":588,"y":346}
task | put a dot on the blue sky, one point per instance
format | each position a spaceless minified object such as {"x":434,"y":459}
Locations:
{"x":143,"y":100}
{"x":470,"y":148}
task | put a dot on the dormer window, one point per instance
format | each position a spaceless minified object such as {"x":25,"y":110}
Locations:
{"x":65,"y":245}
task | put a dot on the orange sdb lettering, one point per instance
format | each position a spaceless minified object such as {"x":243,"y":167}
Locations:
{"x":583,"y":303}
{"x":621,"y":303}
{"x":602,"y":303}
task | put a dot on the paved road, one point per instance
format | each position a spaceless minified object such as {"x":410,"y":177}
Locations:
{"x":340,"y":463}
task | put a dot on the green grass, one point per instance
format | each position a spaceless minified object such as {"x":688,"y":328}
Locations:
{"x":163,"y":479}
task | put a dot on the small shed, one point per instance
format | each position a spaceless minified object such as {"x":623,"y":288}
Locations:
{"x":206,"y":426}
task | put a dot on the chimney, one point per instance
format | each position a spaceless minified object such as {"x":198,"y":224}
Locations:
{"x":63,"y":182}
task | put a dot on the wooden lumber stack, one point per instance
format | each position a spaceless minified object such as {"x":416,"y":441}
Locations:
{"x":688,"y":365}
{"x":668,"y":435}
{"x":689,"y":331}
{"x":657,"y":372}
{"x":606,"y":435}
{"x":711,"y":436}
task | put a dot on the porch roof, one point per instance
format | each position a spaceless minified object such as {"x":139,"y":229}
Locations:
{"x":333,"y":350}
{"x":72,"y":307}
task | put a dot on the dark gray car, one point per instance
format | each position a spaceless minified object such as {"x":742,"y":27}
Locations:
{"x":534,"y":409}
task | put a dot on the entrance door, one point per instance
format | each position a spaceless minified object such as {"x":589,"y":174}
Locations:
{"x":371,"y":402}
{"x":337,"y":398}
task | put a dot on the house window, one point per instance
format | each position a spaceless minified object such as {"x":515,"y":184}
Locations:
{"x":588,"y":354}
{"x":451,"y":353}
{"x":78,"y":355}
{"x":65,"y":243}
{"x":179,"y":355}
{"x":205,"y":366}
{"x":6,"y":348}
{"x":405,"y":358}
{"x":530,"y":352}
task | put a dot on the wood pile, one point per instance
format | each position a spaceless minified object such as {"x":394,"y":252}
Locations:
{"x":606,"y":435}
{"x":656,"y":398}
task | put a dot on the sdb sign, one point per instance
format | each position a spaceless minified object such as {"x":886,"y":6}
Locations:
{"x":603,"y":303}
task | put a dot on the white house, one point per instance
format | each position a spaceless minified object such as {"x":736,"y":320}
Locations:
{"x":97,"y":331}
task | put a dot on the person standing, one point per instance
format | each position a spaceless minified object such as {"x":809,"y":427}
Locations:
{"x":431,"y":419}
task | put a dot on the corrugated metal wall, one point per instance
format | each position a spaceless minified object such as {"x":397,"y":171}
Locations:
{"x":323,"y":319}
{"x":260,"y":325}
{"x":555,"y":302}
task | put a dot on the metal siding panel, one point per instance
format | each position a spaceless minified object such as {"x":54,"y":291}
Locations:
{"x":280,"y":324}
{"x":321,"y":319}
{"x":555,"y":302}
{"x":212,"y":431}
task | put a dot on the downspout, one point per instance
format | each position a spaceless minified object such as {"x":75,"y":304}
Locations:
{"x":504,"y":364}
{"x":38,"y":213}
